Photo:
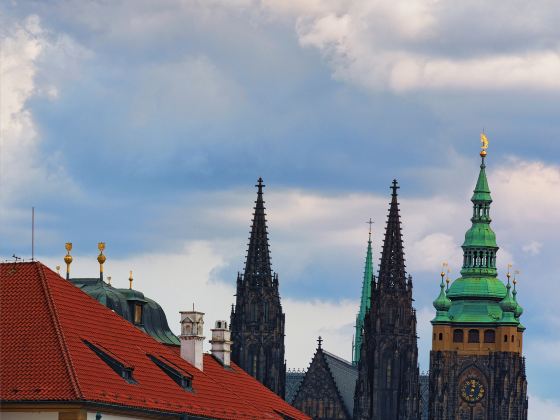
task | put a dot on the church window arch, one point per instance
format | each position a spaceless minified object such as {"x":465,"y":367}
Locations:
{"x":440,"y":336}
{"x":457,"y":336}
{"x":474,"y":336}
{"x":489,"y":336}
{"x":505,"y":338}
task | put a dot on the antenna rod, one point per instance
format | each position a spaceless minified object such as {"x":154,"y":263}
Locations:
{"x":32,"y":233}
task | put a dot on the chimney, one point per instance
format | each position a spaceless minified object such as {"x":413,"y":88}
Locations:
{"x":221,"y":343}
{"x":192,"y":327}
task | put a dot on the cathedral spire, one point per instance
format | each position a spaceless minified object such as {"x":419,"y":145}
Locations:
{"x":392,"y":274}
{"x":257,"y":320}
{"x":257,"y":265}
{"x":365,"y":301}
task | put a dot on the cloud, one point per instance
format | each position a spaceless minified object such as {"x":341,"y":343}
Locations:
{"x":527,"y":196}
{"x":533,"y":248}
{"x":543,"y":408}
{"x":428,"y":45}
{"x":22,"y":169}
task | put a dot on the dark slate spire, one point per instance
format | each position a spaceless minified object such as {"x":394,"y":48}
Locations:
{"x":257,"y":265}
{"x":257,"y":320}
{"x":392,"y":274}
{"x":388,"y":378}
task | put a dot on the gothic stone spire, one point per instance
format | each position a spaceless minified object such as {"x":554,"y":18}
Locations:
{"x":388,"y":379}
{"x":257,"y":320}
{"x":392,"y":274}
{"x":257,"y":265}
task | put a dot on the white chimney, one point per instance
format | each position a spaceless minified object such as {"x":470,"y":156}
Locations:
{"x":192,"y":328}
{"x":221,"y":343}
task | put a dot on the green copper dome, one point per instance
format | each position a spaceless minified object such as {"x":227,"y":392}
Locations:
{"x":518,"y":309}
{"x":123,"y":301}
{"x":442,"y":303}
{"x":478,"y":296}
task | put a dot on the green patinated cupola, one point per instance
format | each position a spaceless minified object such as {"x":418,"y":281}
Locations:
{"x":442,"y":302}
{"x":478,"y":296}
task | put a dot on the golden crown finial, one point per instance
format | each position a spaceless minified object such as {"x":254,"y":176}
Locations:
{"x":130,"y":279}
{"x":68,"y":258}
{"x":484,"y":146}
{"x":101,"y":258}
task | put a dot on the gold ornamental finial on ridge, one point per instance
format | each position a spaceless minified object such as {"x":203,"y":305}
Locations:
{"x":130,"y":280}
{"x":68,"y":258}
{"x":484,"y":144}
{"x":101,"y":258}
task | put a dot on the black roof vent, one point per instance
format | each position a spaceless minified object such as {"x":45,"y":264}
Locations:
{"x":112,"y":361}
{"x":183,"y":379}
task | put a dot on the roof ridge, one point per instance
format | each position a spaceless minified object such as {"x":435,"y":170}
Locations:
{"x":340,"y":359}
{"x":59,"y":333}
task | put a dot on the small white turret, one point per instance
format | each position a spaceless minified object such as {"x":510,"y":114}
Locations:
{"x":221,"y":343}
{"x":192,"y":338}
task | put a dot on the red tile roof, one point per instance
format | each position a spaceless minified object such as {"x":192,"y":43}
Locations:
{"x":43,"y":322}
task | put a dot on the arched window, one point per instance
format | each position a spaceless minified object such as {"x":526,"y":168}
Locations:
{"x":457,"y":336}
{"x":512,"y":338}
{"x":489,"y":336}
{"x":474,"y":336}
{"x":389,"y":373}
{"x":505,"y":338}
{"x":440,"y":336}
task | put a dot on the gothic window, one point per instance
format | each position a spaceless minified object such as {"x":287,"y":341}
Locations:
{"x":254,"y":365}
{"x":388,"y":378}
{"x":474,"y":336}
{"x":457,"y":336}
{"x":489,"y":336}
{"x":266,"y":312}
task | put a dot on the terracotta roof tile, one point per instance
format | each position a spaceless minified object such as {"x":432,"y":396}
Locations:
{"x":44,"y":321}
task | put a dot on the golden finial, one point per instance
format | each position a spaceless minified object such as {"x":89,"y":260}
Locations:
{"x":109,"y":280}
{"x":68,"y":258}
{"x":484,"y":141}
{"x":515,"y":274}
{"x":444,"y":265}
{"x":130,"y":279}
{"x":58,"y":270}
{"x":101,"y":258}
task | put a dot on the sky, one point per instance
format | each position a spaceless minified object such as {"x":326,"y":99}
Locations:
{"x":146,"y":125}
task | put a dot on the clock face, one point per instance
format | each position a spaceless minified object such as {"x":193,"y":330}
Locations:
{"x":472,"y":390}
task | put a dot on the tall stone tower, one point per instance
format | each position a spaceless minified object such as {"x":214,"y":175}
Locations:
{"x":365,"y":302}
{"x":257,"y":320}
{"x":477,"y":371}
{"x":388,"y":385}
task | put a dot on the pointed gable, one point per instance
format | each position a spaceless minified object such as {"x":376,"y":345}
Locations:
{"x":327,"y":389}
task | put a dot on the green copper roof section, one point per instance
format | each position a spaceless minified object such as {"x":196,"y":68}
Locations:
{"x":442,"y":303}
{"x":482,"y":190}
{"x":478,"y":296}
{"x":122,"y":301}
{"x":365,"y":302}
